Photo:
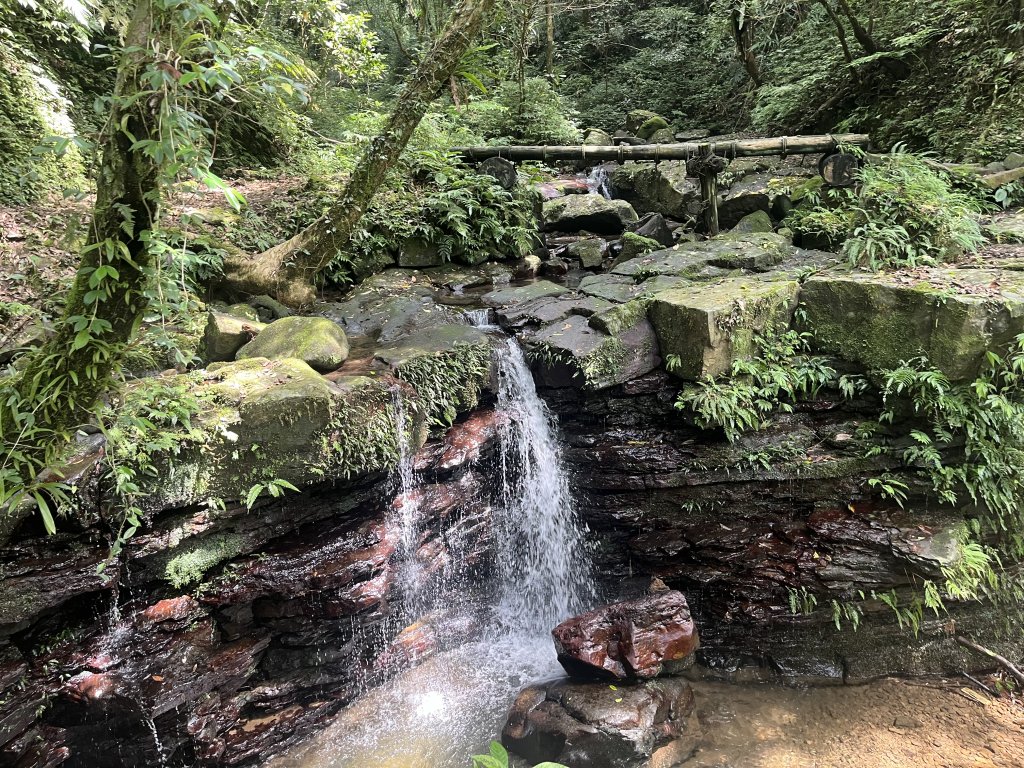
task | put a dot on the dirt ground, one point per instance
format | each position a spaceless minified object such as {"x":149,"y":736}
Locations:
{"x":888,"y":724}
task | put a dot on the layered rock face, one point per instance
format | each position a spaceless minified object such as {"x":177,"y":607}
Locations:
{"x":307,"y":614}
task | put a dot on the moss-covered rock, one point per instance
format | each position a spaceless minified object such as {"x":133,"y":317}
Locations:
{"x":634,"y":245}
{"x":595,"y":137}
{"x":521,"y":294}
{"x":571,"y":352}
{"x":1005,"y":229}
{"x":592,"y":213}
{"x":650,"y":126}
{"x":225,"y":334}
{"x":315,"y":340}
{"x":756,"y":252}
{"x":758,"y":221}
{"x":658,"y":188}
{"x":953,"y":317}
{"x":710,"y":326}
{"x":590,"y":251}
{"x":637,"y":117}
{"x":448,"y":366}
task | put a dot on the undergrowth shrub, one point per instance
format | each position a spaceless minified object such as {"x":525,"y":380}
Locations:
{"x":901,"y":214}
{"x":536,"y":114}
{"x":781,"y":373}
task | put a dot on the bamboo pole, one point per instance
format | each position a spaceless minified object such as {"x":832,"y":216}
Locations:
{"x":779,"y":145}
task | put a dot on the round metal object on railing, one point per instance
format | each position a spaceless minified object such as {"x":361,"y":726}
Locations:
{"x":839,"y":170}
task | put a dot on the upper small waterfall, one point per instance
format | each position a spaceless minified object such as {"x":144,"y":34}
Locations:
{"x":599,"y":183}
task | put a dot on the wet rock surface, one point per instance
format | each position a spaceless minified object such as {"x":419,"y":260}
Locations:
{"x":635,"y":639}
{"x":588,"y":725}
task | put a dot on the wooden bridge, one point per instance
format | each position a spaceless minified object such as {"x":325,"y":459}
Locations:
{"x":706,"y":159}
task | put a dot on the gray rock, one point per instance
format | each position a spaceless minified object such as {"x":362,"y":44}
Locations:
{"x":587,"y":212}
{"x":225,"y":334}
{"x":269,"y":308}
{"x":595,"y":137}
{"x":520,"y":294}
{"x":316,"y":341}
{"x":654,"y":226}
{"x":758,"y":221}
{"x":590,"y":251}
{"x":663,"y":188}
{"x":502,"y":170}
{"x":1014,"y":160}
{"x":417,"y":253}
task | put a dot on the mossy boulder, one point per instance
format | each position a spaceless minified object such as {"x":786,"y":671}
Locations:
{"x":750,"y":195}
{"x":650,"y":126}
{"x":951,"y":316}
{"x":662,"y":136}
{"x":754,"y":252}
{"x":638,"y":117}
{"x":592,"y":213}
{"x":314,"y":340}
{"x":634,"y":245}
{"x":225,"y":334}
{"x":710,"y":326}
{"x":658,"y":188}
{"x":758,"y":221}
{"x":595,"y":137}
{"x":572,"y":352}
{"x":590,"y":251}
{"x":448,"y":366}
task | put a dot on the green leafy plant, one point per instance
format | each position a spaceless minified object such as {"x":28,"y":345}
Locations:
{"x":498,"y":758}
{"x":781,"y":373}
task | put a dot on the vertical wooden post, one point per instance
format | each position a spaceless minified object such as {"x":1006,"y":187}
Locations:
{"x":708,"y":172}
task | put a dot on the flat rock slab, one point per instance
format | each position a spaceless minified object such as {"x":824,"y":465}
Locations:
{"x":710,"y":326}
{"x":709,"y":259}
{"x":520,"y":294}
{"x":571,"y":352}
{"x":1005,"y":229}
{"x":430,"y":342}
{"x":634,"y":639}
{"x":548,"y":310}
{"x":594,"y":725}
{"x":951,"y":316}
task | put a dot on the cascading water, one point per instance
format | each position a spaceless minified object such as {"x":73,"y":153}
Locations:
{"x":599,"y":183}
{"x":544,"y":573}
{"x":439,"y":713}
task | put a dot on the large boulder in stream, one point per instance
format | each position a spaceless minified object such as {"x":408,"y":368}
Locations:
{"x":314,"y":340}
{"x":658,"y":188}
{"x":634,"y":639}
{"x":594,"y":725}
{"x":954,"y":317}
{"x":592,"y":213}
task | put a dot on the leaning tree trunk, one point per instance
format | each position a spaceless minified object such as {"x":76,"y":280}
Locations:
{"x":64,"y":379}
{"x":743,"y":35}
{"x":288,"y":270}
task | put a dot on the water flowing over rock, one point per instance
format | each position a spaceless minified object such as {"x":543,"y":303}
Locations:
{"x":641,"y":638}
{"x":542,"y":562}
{"x":585,"y":725}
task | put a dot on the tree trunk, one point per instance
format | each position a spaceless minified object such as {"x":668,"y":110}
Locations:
{"x":549,"y":52}
{"x":288,"y":270}
{"x":840,"y":34}
{"x":65,"y":378}
{"x":743,"y":35}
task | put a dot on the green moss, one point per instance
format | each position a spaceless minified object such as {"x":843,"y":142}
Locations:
{"x":195,"y":559}
{"x":621,"y":317}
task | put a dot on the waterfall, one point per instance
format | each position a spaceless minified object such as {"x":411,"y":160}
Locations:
{"x":543,"y":569}
{"x":599,"y":183}
{"x":437,"y":714}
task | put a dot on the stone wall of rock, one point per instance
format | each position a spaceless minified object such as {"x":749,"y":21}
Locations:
{"x":303,"y":613}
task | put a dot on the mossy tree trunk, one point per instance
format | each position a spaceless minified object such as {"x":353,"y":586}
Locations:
{"x":289,"y":270}
{"x":742,"y":26}
{"x":65,"y":378}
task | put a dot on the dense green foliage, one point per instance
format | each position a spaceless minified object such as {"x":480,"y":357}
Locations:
{"x":902,"y":213}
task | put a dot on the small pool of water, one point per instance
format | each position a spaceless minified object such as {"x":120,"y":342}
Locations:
{"x":436,"y":715}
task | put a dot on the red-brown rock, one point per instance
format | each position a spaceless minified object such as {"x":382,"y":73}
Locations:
{"x":639,"y":638}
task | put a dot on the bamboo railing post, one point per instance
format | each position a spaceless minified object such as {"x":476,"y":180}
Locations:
{"x":708,"y":174}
